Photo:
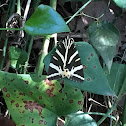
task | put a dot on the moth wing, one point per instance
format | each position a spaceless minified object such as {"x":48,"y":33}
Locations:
{"x":78,"y":76}
{"x":57,"y":61}
{"x":75,"y":63}
{"x":53,"y":74}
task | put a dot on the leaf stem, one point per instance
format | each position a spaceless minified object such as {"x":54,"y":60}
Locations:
{"x":26,"y":10}
{"x":107,"y":114}
{"x":26,"y":41}
{"x":18,"y":7}
{"x":92,"y":17}
{"x":43,"y":53}
{"x":97,"y":113}
{"x":79,"y":11}
{"x":53,"y":4}
{"x":12,"y":29}
{"x":4,"y":52}
{"x":44,"y":50}
{"x":29,"y":51}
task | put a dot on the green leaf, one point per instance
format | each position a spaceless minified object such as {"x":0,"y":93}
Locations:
{"x":104,"y":37}
{"x":116,"y":77}
{"x":95,"y":80}
{"x":79,"y":119}
{"x":26,"y":111}
{"x":111,"y":27}
{"x":17,"y":57}
{"x":121,"y":3}
{"x":45,"y":21}
{"x":31,"y":98}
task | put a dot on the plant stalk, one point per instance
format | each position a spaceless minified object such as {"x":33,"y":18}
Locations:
{"x":43,"y":53}
{"x":79,"y":11}
{"x":44,"y":50}
{"x":26,"y":41}
{"x":97,"y":113}
{"x":18,"y":7}
{"x":29,"y":52}
{"x":18,"y":29}
{"x":53,"y":4}
{"x":26,"y":11}
{"x":4,"y":52}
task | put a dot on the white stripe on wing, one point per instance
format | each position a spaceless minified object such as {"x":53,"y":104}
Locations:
{"x":71,"y":58}
{"x":74,"y":69}
{"x":78,"y":76}
{"x":60,"y":55}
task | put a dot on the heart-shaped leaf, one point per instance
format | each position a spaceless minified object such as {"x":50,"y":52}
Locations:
{"x":95,"y":80}
{"x":45,"y":21}
{"x":35,"y":100}
{"x":79,"y":119}
{"x":104,"y":37}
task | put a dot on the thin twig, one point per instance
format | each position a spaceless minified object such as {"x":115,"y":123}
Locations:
{"x":26,"y":10}
{"x":25,"y":16}
{"x":3,"y":5}
{"x":79,"y":11}
{"x":92,"y":100}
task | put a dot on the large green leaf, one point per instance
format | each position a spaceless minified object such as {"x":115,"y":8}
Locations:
{"x":79,"y":119}
{"x":104,"y":37}
{"x":25,"y":111}
{"x":45,"y":21}
{"x":116,"y":77}
{"x":121,"y":3}
{"x":95,"y":80}
{"x":31,"y":98}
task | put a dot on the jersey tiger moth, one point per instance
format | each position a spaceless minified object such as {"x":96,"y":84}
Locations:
{"x":66,"y":62}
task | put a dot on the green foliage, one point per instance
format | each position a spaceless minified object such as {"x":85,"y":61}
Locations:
{"x":45,"y":21}
{"x":116,"y":77}
{"x":31,"y":98}
{"x":121,"y":3}
{"x":79,"y":119}
{"x":17,"y":57}
{"x":104,"y":37}
{"x":34,"y":100}
{"x":117,"y":81}
{"x":95,"y":80}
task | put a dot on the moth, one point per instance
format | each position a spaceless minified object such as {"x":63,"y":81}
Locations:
{"x":66,"y":62}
